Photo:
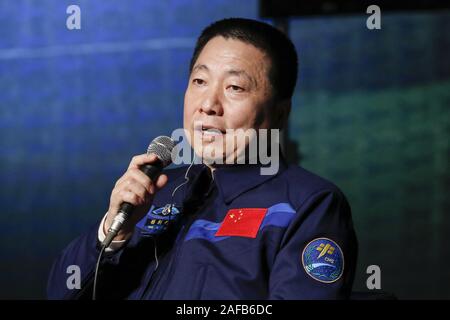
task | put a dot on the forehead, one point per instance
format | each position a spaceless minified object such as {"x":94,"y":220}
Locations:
{"x":221,"y":54}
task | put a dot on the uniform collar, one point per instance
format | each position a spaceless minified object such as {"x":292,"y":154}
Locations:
{"x":234,"y":180}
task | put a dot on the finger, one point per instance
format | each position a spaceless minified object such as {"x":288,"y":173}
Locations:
{"x":137,"y":176}
{"x":139,"y":190}
{"x":131,"y":197}
{"x":120,"y":180}
{"x":118,"y":196}
{"x":141,"y":159}
{"x":161,"y":181}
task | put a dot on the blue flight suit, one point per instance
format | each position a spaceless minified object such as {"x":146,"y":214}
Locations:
{"x":234,"y":235}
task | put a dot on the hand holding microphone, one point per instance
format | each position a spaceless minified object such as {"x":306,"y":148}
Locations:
{"x":133,"y":193}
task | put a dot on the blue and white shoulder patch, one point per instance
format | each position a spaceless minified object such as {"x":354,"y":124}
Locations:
{"x":323,"y":260}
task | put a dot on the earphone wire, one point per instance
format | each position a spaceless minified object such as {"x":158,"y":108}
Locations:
{"x":186,"y":180}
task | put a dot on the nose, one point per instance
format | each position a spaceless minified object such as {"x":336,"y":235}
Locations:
{"x":212,"y":104}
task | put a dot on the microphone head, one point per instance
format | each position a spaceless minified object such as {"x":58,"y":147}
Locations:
{"x":162,"y":147}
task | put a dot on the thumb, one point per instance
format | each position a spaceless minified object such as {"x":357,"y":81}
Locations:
{"x":161,"y":182}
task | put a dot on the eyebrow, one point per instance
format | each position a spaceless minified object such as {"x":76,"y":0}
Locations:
{"x":200,"y":67}
{"x":232,"y":72}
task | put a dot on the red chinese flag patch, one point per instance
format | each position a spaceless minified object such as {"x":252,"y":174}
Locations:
{"x":243,"y":222}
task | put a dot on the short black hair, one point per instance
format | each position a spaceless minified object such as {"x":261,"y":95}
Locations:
{"x":279,"y":48}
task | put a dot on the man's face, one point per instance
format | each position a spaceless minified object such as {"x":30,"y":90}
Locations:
{"x":228,"y":88}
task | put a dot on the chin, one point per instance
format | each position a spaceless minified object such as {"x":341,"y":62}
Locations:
{"x":208,"y":157}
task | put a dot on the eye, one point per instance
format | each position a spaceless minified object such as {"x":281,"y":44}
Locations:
{"x":236,"y":88}
{"x":198,"y":81}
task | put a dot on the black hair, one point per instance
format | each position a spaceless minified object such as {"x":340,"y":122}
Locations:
{"x":278,"y":47}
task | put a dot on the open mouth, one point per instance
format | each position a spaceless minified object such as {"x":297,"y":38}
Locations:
{"x":209,"y":130}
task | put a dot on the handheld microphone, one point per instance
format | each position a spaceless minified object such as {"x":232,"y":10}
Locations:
{"x":162,"y":147}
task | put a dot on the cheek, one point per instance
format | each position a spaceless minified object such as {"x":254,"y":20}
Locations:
{"x":188,"y":109}
{"x":241,"y":116}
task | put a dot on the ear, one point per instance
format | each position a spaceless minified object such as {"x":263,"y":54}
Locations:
{"x":283,"y":109}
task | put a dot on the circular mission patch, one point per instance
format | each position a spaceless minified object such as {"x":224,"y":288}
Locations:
{"x":323,"y":260}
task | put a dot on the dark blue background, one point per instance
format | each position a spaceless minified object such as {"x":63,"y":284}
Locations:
{"x":370,"y":113}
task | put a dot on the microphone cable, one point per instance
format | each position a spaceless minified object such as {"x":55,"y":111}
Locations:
{"x":97,"y":266}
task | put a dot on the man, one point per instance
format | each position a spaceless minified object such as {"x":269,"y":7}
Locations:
{"x":228,"y":231}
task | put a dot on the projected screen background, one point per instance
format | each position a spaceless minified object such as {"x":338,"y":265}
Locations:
{"x":371,"y":113}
